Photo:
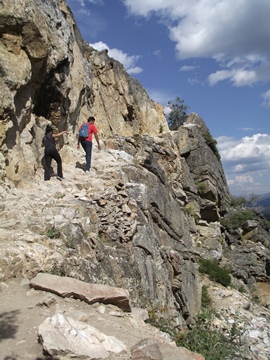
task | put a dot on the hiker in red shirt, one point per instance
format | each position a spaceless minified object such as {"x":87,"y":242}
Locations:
{"x":86,"y":140}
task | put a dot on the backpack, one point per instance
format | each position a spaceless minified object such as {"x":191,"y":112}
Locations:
{"x":83,"y":133}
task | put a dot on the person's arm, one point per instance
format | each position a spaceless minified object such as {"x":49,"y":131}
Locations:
{"x":59,"y":134}
{"x":97,"y":140}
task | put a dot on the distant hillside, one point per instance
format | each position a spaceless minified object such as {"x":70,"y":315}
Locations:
{"x":264,"y":199}
{"x":264,"y":202}
{"x":266,"y":212}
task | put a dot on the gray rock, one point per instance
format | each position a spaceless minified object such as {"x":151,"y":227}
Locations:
{"x":150,"y":350}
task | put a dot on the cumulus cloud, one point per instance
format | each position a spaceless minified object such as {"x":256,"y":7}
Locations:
{"x":223,"y":30}
{"x":255,"y":148}
{"x":246,"y":162}
{"x":129,"y":61}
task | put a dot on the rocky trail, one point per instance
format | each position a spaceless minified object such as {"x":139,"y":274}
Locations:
{"x":23,"y":310}
{"x":26,"y":214}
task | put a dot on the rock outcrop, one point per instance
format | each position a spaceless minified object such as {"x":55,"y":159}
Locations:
{"x":156,"y":201}
{"x":49,"y":74}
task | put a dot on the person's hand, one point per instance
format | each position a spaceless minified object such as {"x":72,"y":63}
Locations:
{"x":99,"y":147}
{"x":78,"y":146}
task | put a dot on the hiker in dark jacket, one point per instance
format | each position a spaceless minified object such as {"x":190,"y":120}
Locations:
{"x":51,"y":153}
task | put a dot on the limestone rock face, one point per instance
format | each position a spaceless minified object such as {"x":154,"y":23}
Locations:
{"x":49,"y":74}
{"x":120,"y":103}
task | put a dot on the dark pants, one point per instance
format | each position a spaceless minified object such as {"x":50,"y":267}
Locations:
{"x":87,"y":146}
{"x":49,"y":155}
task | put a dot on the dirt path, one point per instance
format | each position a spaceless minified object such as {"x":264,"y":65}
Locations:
{"x":24,"y":309}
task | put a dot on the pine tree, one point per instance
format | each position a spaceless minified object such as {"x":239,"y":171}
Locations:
{"x":177,"y":115}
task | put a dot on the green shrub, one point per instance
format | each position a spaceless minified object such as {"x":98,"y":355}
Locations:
{"x":204,"y":340}
{"x":206,"y":300}
{"x":212,"y":143}
{"x":201,"y":337}
{"x":190,"y":209}
{"x":201,"y":187}
{"x":158,"y":319}
{"x":238,"y":201}
{"x":215,"y":272}
{"x":53,"y":233}
{"x":237,"y":219}
{"x":266,"y":223}
{"x":244,"y":200}
{"x":242,"y":289}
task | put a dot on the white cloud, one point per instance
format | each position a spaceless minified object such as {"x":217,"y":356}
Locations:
{"x":247,"y":129}
{"x":134,"y":70}
{"x":83,"y":3}
{"x":266,"y":97}
{"x":195,"y":80}
{"x":157,"y":53}
{"x":256,"y":147}
{"x":235,"y":33}
{"x":246,"y":162}
{"x":242,"y":180}
{"x":129,"y":61}
{"x":158,"y":96}
{"x":187,"y":68}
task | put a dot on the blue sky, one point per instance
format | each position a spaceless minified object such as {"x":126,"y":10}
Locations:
{"x":213,"y":54}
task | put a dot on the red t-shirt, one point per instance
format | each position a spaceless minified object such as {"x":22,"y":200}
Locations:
{"x":91,"y":130}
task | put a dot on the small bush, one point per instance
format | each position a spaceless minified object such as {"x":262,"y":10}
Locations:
{"x":266,"y":223}
{"x":53,"y":233}
{"x":158,"y":319}
{"x":244,"y":200}
{"x":212,"y":143}
{"x":204,"y":340}
{"x":242,"y":289}
{"x":190,"y":209}
{"x":201,"y":187}
{"x":237,"y":219}
{"x":238,"y":201}
{"x":215,"y":272}
{"x":206,"y":300}
{"x":202,"y":337}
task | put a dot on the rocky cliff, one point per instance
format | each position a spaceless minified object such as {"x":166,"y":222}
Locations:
{"x":50,"y":74}
{"x":156,"y":201}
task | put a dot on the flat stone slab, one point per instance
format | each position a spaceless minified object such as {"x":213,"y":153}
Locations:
{"x":77,"y":289}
